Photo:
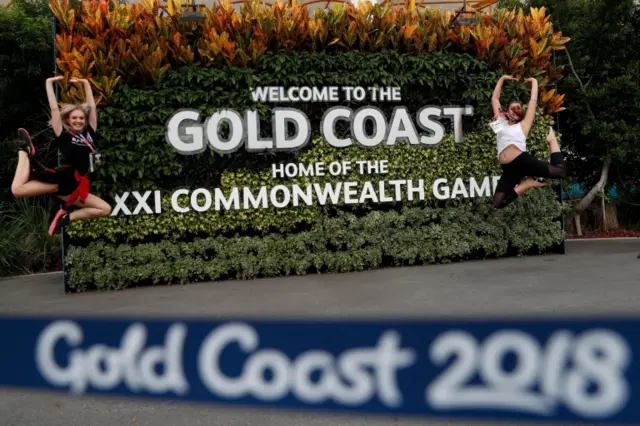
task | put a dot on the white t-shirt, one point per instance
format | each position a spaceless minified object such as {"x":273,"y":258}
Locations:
{"x":509,"y":135}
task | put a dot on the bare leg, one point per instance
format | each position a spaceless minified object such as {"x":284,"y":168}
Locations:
{"x":92,"y":208}
{"x":21,"y":186}
{"x":557,"y":168}
{"x":552,"y":140}
{"x":528,"y":184}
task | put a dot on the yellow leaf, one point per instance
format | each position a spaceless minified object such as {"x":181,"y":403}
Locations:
{"x":534,"y":47}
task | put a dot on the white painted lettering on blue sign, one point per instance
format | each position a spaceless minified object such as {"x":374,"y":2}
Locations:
{"x":130,"y":363}
{"x":598,"y":357}
{"x":293,"y":375}
{"x":570,"y":372}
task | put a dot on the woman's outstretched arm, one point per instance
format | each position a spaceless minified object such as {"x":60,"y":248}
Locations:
{"x":56,"y":122}
{"x":497,"y":92}
{"x":527,"y":122}
{"x":88,"y":94}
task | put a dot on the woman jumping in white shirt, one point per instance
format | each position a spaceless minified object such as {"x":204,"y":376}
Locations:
{"x":512,"y":129}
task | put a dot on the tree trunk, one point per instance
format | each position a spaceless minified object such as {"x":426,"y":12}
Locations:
{"x":591,"y":195}
{"x":576,"y":219}
{"x":609,"y":218}
{"x":604,"y":174}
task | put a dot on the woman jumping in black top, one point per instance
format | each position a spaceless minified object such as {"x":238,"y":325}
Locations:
{"x":75,"y":130}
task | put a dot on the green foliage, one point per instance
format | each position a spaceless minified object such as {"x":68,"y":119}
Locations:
{"x":26,"y":60}
{"x":516,"y":5}
{"x":475,"y":157}
{"x":602,"y":91}
{"x":25,"y":246}
{"x":120,"y":252}
{"x":247,"y":243}
{"x":343,"y":243}
{"x":133,"y":126}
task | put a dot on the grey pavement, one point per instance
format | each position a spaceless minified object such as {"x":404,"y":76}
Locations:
{"x":594,"y":277}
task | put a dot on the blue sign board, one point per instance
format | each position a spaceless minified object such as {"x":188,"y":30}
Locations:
{"x":547,"y":370}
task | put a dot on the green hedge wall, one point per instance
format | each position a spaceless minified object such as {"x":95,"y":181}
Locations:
{"x":175,"y":247}
{"x":341,"y":243}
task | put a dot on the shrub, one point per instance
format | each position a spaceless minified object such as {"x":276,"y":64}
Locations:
{"x":341,"y":243}
{"x":25,"y":246}
{"x":144,"y":68}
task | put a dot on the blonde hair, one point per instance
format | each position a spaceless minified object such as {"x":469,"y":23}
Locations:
{"x":66,"y":111}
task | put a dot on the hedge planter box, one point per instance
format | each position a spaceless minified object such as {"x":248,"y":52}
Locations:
{"x":415,"y":187}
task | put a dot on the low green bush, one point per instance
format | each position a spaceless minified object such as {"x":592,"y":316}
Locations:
{"x":25,"y":246}
{"x":342,"y":242}
{"x":122,"y":251}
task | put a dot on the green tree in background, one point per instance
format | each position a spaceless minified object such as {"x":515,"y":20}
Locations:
{"x":602,"y":86}
{"x":26,"y":60}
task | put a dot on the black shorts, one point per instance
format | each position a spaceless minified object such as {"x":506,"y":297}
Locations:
{"x":524,"y":165}
{"x":61,"y":176}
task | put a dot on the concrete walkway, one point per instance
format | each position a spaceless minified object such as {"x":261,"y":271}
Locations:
{"x":594,"y":277}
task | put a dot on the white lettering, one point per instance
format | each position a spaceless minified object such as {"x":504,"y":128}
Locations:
{"x":247,"y":131}
{"x":483,"y":191}
{"x":293,"y":375}
{"x":328,"y":126}
{"x":232,"y":202}
{"x":440,"y":191}
{"x":255,"y":202}
{"x":564,"y":370}
{"x":130,"y":362}
{"x":120,"y":205}
{"x":234,"y":121}
{"x":253,"y":128}
{"x":174,"y":200}
{"x":286,"y":196}
{"x":207,"y":200}
{"x":172,"y":136}
{"x":379,"y":126}
{"x":459,"y":189}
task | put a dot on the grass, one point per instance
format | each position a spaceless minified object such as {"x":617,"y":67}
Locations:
{"x":25,"y":245}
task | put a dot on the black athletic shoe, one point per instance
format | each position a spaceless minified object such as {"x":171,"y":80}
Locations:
{"x":26,"y":144}
{"x":61,"y":219}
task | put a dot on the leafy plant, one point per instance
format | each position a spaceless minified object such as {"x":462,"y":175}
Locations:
{"x":112,"y":42}
{"x":145,"y":66}
{"x":341,"y":243}
{"x":475,"y":158}
{"x":25,"y":246}
{"x":26,"y":56}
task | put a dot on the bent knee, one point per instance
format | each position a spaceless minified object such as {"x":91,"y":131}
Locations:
{"x":17,"y":191}
{"x":563,"y":171}
{"x":559,"y":171}
{"x":105,"y":210}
